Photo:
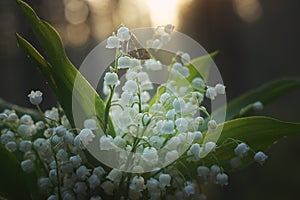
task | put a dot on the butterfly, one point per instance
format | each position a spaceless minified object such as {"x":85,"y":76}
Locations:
{"x":134,"y":48}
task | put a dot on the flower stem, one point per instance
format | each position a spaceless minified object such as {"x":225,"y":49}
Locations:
{"x":40,"y":111}
{"x":57,"y":172}
{"x":107,"y":108}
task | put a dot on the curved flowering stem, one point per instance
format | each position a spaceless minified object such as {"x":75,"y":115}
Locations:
{"x":107,"y":108}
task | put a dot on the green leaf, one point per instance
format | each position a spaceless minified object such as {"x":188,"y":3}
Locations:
{"x":59,"y":71}
{"x":12,"y":182}
{"x":266,"y":93}
{"x":257,"y":132}
{"x":199,"y":67}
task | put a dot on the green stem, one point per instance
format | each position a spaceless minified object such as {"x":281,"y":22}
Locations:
{"x":57,"y":172}
{"x":107,"y":108}
{"x":42,"y":114}
{"x":203,"y":109}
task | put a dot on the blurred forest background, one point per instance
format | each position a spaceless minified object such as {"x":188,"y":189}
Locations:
{"x":258,"y":41}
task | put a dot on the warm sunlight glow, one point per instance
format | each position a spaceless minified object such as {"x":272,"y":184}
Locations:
{"x":248,"y":10}
{"x":163,"y":11}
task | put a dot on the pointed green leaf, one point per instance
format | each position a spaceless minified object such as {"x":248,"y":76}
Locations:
{"x":266,"y":93}
{"x":257,"y":132}
{"x":38,"y":60}
{"x":199,"y":67}
{"x":59,"y":71}
{"x":12,"y":181}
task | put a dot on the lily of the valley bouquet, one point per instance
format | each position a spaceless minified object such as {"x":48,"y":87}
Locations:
{"x":141,"y":140}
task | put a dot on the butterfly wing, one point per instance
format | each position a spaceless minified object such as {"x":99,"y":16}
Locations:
{"x":134,"y":48}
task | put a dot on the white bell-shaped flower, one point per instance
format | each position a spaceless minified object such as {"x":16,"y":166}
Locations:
{"x":114,"y":175}
{"x":90,"y":124}
{"x":106,"y":143}
{"x":189,"y":189}
{"x":25,"y":145}
{"x":27,"y":165}
{"x":35,"y":97}
{"x":260,"y":157}
{"x":241,"y":150}
{"x":203,"y":171}
{"x":93,"y":181}
{"x":171,"y":156}
{"x":76,"y":161}
{"x":212,"y":125}
{"x":181,"y":124}
{"x":135,"y":64}
{"x":195,"y":150}
{"x":222,"y":179}
{"x":146,"y":85}
{"x":137,"y":183}
{"x":173,"y":143}
{"x":150,"y":156}
{"x":165,"y":98}
{"x":152,"y":185}
{"x":11,"y":146}
{"x":145,"y":96}
{"x":209,"y":146}
{"x":131,"y":75}
{"x":130,"y":86}
{"x":113,"y":42}
{"x":169,"y":28}
{"x":119,"y":142}
{"x":165,"y":38}
{"x":124,"y":62}
{"x":111,"y":78}
{"x":156,"y":44}
{"x":198,"y":83}
{"x":211,"y":93}
{"x":167,"y":127}
{"x":178,"y":68}
{"x":82,"y":172}
{"x":171,"y":114}
{"x":143,"y":76}
{"x":80,"y":188}
{"x":86,"y":136}
{"x":185,"y":58}
{"x":152,"y":64}
{"x":220,"y":88}
{"x":258,"y":105}
{"x":123,"y":34}
{"x":215,"y":170}
{"x":197,"y":136}
{"x":179,"y":105}
{"x":164,"y":180}
{"x":156,"y":141}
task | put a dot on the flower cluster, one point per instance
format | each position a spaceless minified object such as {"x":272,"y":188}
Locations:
{"x":51,"y":149}
{"x":163,"y":131}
